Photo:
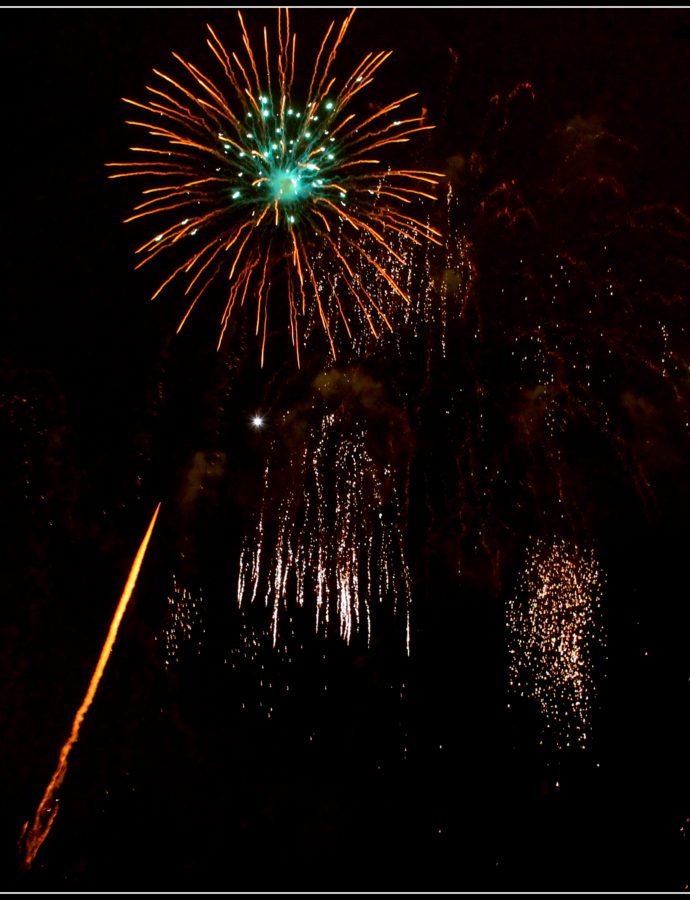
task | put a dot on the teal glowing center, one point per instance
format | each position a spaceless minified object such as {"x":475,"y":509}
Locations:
{"x":286,"y":186}
{"x":284,"y":158}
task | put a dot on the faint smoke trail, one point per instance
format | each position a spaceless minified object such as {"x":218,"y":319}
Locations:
{"x":32,"y":838}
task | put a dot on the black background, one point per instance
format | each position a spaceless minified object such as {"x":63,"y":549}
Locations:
{"x":169,"y":788}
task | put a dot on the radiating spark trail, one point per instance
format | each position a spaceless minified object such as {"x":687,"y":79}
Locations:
{"x":265,"y":180}
{"x":436,"y":278}
{"x":553,"y":627}
{"x":32,"y":837}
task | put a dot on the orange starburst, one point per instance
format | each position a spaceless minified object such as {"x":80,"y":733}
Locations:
{"x":261,"y":178}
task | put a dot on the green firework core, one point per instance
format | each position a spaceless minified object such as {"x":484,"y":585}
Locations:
{"x":288,"y":158}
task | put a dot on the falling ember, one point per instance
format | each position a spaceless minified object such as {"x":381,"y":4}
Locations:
{"x":257,"y":173}
{"x":184,"y":622}
{"x":553,"y":625}
{"x":339,"y":545}
{"x":32,"y":837}
{"x":436,"y":277}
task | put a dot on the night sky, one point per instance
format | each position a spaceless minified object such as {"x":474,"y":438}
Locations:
{"x":340,"y":767}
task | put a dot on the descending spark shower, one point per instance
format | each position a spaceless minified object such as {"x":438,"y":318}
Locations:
{"x":265,"y":181}
{"x":340,"y":535}
{"x":33,"y":837}
{"x":554,"y":627}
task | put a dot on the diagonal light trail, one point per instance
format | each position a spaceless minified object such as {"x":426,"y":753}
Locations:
{"x":32,"y":837}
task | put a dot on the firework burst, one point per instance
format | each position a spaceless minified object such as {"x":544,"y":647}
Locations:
{"x":256,"y":175}
{"x":554,"y":626}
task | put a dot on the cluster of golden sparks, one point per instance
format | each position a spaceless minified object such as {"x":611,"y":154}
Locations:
{"x":554,"y":626}
{"x":184,"y":623}
{"x":257,"y":174}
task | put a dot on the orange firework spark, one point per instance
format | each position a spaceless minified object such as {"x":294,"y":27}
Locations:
{"x":32,"y":837}
{"x":256,"y":184}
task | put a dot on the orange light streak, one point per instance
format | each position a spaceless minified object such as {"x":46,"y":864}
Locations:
{"x":32,"y":838}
